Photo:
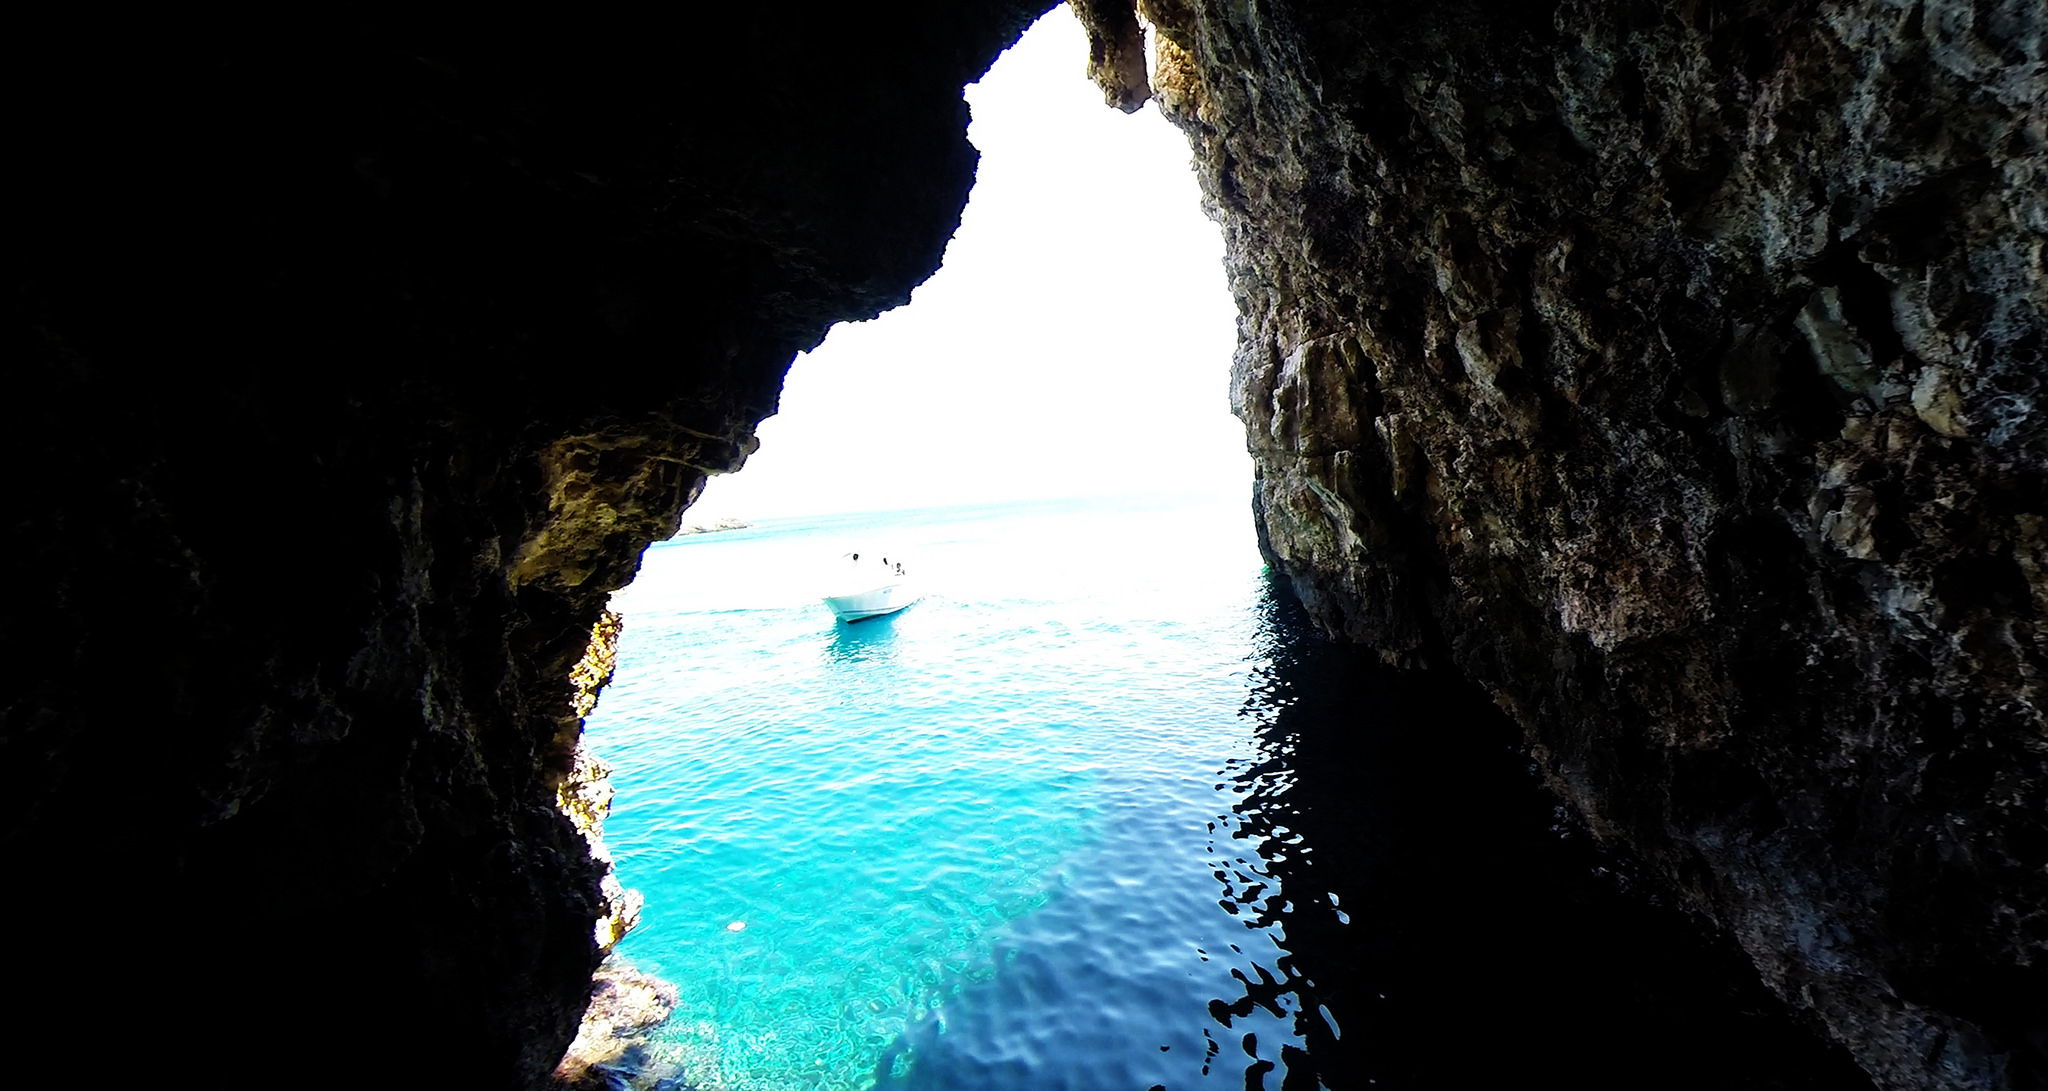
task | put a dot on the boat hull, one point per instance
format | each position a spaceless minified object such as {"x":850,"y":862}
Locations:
{"x":873,"y":602}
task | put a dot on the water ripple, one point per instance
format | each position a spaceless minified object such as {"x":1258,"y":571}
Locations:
{"x":1107,"y":823}
{"x":965,"y":846}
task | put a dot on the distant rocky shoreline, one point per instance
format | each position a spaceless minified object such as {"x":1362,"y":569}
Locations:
{"x":713,"y":528}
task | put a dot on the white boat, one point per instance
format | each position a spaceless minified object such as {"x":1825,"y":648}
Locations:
{"x":871,"y":588}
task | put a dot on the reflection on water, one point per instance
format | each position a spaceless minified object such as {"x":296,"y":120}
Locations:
{"x":1442,"y":927}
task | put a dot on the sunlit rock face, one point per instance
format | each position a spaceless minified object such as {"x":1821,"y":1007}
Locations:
{"x":1676,"y":371}
{"x":345,"y":384}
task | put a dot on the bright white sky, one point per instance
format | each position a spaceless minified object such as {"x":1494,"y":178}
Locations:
{"x":1075,"y":342}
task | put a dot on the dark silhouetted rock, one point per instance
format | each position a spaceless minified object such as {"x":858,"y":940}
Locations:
{"x":1676,"y":372}
{"x":345,"y":384}
{"x":1673,"y":370}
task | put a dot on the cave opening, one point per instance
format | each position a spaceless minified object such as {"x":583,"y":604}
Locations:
{"x":846,"y":835}
{"x":1076,"y":340}
{"x":1100,"y":806}
{"x":354,"y":377}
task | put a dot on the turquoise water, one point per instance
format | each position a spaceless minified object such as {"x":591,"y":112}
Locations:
{"x":873,"y":851}
{"x":1100,"y":813}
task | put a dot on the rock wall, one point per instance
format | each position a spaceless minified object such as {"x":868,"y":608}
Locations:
{"x":1673,"y":369}
{"x":344,"y":384}
{"x":1676,"y":371}
{"x":584,"y":794}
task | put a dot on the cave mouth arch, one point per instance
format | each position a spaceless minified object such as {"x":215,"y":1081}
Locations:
{"x":345,"y":419}
{"x":1075,"y":343}
{"x":354,"y":377}
{"x":1076,"y":339}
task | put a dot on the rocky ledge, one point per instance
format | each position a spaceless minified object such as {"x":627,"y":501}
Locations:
{"x":610,"y":1050}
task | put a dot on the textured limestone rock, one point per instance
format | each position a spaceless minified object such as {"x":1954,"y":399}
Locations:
{"x":344,"y":385}
{"x":1676,"y":371}
{"x":585,"y":793}
{"x":1116,"y":52}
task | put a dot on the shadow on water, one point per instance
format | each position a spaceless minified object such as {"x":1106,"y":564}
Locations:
{"x":869,"y":641}
{"x":1403,"y":907}
{"x":1454,"y":932}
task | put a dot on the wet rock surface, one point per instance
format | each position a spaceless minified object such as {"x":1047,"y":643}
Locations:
{"x":610,"y":1049}
{"x":1675,"y":373}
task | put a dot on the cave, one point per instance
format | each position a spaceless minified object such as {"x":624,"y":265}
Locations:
{"x":1670,"y":371}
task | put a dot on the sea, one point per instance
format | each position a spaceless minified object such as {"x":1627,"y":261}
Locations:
{"x":1102,"y":811}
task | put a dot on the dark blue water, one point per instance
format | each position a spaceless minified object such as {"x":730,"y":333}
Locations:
{"x":1099,"y":813}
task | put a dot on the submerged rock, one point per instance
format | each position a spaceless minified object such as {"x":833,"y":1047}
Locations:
{"x":609,"y":1052}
